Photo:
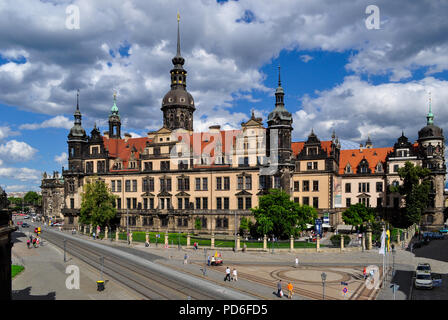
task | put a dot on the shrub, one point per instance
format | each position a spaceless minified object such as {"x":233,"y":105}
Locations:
{"x":336,"y":240}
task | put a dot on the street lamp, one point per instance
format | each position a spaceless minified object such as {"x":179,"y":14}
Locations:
{"x":393,"y":260}
{"x":178,"y":240}
{"x":324,"y":277}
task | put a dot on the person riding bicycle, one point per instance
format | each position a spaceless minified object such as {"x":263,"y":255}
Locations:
{"x":34,"y":242}
{"x":28,"y":243}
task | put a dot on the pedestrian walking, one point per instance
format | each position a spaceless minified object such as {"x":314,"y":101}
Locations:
{"x":208,"y":261}
{"x":290,"y":287}
{"x":185,"y":259}
{"x":227,"y":277}
{"x":93,"y":235}
{"x":297,"y":262}
{"x":279,"y":289}
{"x":364,"y":272}
{"x":234,"y":275}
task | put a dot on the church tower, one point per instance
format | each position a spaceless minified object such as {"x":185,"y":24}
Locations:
{"x":178,"y":103}
{"x":77,"y":139}
{"x":114,"y":121}
{"x":279,"y":132}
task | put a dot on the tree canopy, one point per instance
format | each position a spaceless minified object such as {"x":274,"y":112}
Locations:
{"x":32,"y":197}
{"x":415,"y":189}
{"x":97,"y":206}
{"x":357,"y":214}
{"x":277,"y":215}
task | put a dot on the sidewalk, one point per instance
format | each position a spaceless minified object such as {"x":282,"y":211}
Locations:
{"x":44,"y":276}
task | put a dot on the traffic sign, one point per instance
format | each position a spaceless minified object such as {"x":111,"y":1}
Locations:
{"x":344,"y":283}
{"x":345,"y":290}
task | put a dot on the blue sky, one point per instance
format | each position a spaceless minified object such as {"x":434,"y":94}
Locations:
{"x":336,"y":73}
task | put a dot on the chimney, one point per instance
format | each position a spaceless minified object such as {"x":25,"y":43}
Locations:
{"x":360,"y":147}
{"x":126,"y":137}
{"x":106,"y":134}
{"x":215,"y":128}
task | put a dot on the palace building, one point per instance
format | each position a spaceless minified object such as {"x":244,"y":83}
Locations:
{"x":174,"y":178}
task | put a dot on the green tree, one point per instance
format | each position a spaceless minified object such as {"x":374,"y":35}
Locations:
{"x":197,"y":224}
{"x":357,"y":214}
{"x":97,"y":204}
{"x":277,"y":215}
{"x":415,"y":189}
{"x":244,"y":226}
{"x":33,"y":198}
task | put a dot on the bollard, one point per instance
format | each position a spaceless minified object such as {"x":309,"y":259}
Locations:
{"x":317,"y":244}
{"x":188,"y":240}
{"x":342,"y":242}
{"x":130,"y":238}
{"x":265,"y":243}
{"x":84,"y":229}
{"x":291,"y":243}
{"x":147,"y":237}
{"x":116,"y":235}
{"x":166,"y":239}
{"x":369,"y":238}
{"x":238,"y":243}
{"x":106,"y":231}
{"x":212,"y":241}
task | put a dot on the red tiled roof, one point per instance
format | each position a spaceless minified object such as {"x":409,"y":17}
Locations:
{"x":118,"y":148}
{"x":354,"y":157}
{"x":297,"y":147}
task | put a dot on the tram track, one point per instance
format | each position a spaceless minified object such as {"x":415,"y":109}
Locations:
{"x":147,"y":283}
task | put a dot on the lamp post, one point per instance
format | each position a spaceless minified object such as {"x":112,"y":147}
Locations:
{"x":178,"y":240}
{"x":393,"y":260}
{"x":324,"y":277}
{"x":65,"y":242}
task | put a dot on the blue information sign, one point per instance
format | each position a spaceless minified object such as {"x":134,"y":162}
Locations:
{"x":318,"y":223}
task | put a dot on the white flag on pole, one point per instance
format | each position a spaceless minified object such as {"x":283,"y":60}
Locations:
{"x":383,"y":243}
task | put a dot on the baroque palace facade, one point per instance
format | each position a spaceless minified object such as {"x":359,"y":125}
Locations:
{"x":173,"y":177}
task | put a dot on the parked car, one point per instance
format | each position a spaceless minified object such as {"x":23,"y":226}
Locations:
{"x":443,"y":230}
{"x":423,"y":281}
{"x":25,"y":225}
{"x":423,"y":268}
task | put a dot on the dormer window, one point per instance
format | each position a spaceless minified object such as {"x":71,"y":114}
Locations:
{"x":348,"y":168}
{"x":363,"y":167}
{"x":379,"y":167}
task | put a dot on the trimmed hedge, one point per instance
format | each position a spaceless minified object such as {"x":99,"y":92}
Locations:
{"x":336,"y":240}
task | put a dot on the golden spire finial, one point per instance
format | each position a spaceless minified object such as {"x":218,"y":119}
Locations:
{"x":178,"y":16}
{"x":115,"y":95}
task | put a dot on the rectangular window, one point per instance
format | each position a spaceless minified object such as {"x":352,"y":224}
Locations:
{"x":306,"y":201}
{"x":148,"y":166}
{"x":315,"y":185}
{"x":145,"y":185}
{"x":134,"y":203}
{"x":118,"y":185}
{"x":240,"y":203}
{"x":204,"y":183}
{"x":187,"y":203}
{"x":379,"y":202}
{"x":316,"y":202}
{"x":277,"y":183}
{"x":240,"y":183}
{"x":226,"y":203}
{"x":204,"y":203}
{"x":113,"y":186}
{"x":296,"y":200}
{"x":128,"y":203}
{"x":145,"y":203}
{"x":348,"y":202}
{"x":151,"y":203}
{"x":119,"y":203}
{"x":179,"y":203}
{"x":348,"y":187}
{"x":248,"y":203}
{"x":198,"y":203}
{"x":219,"y":183}
{"x":72,"y":203}
{"x":226,"y":183}
{"x":134,"y":185}
{"x":127,"y":186}
{"x":218,"y":203}
{"x":248,"y":182}
{"x":306,"y":186}
{"x":296,"y":185}
{"x":168,"y":184}
{"x":198,"y":183}
{"x":379,"y":187}
{"x":315,"y":165}
{"x":396,"y":168}
{"x":309,"y":165}
{"x":162,"y":203}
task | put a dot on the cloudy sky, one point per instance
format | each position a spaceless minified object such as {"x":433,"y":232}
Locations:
{"x":337,"y":73}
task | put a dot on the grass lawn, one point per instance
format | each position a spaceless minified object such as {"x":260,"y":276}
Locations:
{"x":174,"y":238}
{"x":15,"y":270}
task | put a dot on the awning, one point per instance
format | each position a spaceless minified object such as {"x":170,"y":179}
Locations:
{"x":326,"y":225}
{"x":345,"y":227}
{"x":309,"y":226}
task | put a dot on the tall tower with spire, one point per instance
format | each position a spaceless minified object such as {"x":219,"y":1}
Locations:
{"x":432,"y":152}
{"x":178,"y":104}
{"x":77,"y":139}
{"x":114,"y":121}
{"x":279,"y":132}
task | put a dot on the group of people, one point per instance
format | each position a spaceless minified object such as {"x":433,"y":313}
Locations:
{"x":290,"y":288}
{"x":231,"y":276}
{"x":35,"y":241}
